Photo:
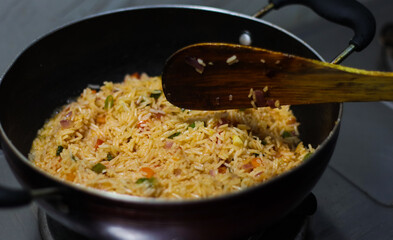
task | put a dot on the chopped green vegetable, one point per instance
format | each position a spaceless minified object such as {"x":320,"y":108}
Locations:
{"x":73,"y":158}
{"x":174,"y":135}
{"x":286,"y":134}
{"x":192,"y":125}
{"x":308,"y":155}
{"x":108,"y":102}
{"x":109,"y":157}
{"x":59,"y":150}
{"x":263,"y":142}
{"x":141,"y":180}
{"x":98,"y":168}
{"x":155,"y":94}
{"x":151,"y":181}
{"x":182,"y":109}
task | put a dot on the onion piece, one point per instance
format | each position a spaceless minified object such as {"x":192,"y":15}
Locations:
{"x":68,"y":115}
{"x":168,"y":144}
{"x":260,"y":100}
{"x":247,"y":167}
{"x":212,"y":172}
{"x":271,"y":103}
{"x":193,"y":62}
{"x":65,"y":123}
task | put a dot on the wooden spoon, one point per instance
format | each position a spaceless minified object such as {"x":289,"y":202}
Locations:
{"x":214,"y":76}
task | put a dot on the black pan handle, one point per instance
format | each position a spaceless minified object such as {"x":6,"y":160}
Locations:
{"x":14,"y":197}
{"x":349,"y":13}
{"x":19,"y":197}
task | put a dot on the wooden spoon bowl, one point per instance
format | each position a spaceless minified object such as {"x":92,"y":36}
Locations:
{"x":214,"y":76}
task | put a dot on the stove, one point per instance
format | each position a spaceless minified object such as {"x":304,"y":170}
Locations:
{"x":355,"y":195}
{"x":295,"y":226}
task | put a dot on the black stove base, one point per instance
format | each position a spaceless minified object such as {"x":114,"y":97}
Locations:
{"x":292,"y":227}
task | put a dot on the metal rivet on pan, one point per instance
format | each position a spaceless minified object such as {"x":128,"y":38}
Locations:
{"x":245,"y":38}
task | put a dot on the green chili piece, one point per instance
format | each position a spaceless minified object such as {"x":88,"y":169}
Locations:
{"x":98,"y":168}
{"x":59,"y":150}
{"x":155,"y":94}
{"x":109,"y":157}
{"x":151,"y":181}
{"x":174,"y":135}
{"x":108,"y":102}
{"x":192,"y":125}
{"x":308,"y":155}
{"x":141,"y":180}
{"x":286,"y":134}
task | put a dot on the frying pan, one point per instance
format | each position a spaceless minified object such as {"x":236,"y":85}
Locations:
{"x":106,"y":47}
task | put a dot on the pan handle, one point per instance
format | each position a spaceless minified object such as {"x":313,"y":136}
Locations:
{"x":14,"y":197}
{"x":348,"y":13}
{"x":19,"y":197}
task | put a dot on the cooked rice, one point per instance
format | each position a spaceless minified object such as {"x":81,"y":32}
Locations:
{"x":148,"y":147}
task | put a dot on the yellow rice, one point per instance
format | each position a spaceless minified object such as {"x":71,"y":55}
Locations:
{"x":151,"y":148}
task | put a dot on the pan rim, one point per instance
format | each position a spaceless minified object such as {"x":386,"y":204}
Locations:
{"x":158,"y":201}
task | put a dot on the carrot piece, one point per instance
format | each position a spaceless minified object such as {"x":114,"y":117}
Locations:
{"x":136,"y":75}
{"x":147,"y":172}
{"x":98,"y":143}
{"x":222,"y":169}
{"x":70,"y":177}
{"x":256,"y":162}
{"x":101,"y":119}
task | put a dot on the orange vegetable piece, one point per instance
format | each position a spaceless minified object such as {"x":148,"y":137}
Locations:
{"x":70,"y":177}
{"x":222,"y":169}
{"x":147,"y":172}
{"x":101,"y":119}
{"x":291,"y":120}
{"x":256,"y":162}
{"x":136,"y":75}
{"x":98,"y":143}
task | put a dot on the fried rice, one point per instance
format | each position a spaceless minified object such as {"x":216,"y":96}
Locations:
{"x":127,"y":138}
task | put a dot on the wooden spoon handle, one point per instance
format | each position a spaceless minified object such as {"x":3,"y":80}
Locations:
{"x":230,"y":72}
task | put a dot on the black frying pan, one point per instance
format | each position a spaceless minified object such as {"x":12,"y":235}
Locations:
{"x":105,"y":48}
